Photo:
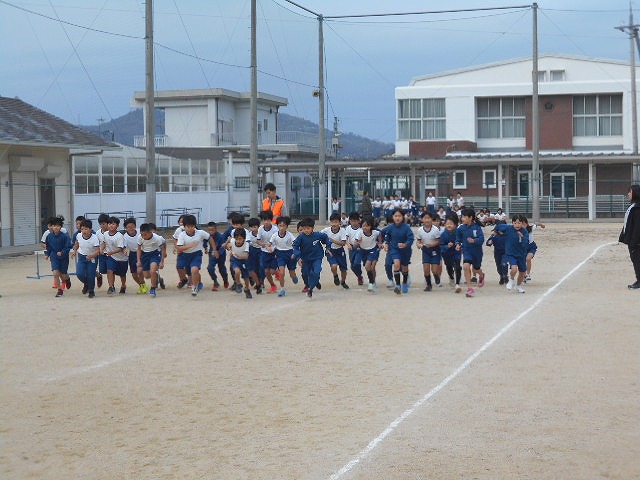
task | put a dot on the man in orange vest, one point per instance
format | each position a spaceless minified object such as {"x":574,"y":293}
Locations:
{"x":273,"y":202}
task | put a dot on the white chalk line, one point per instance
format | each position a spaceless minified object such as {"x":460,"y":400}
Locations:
{"x":410,"y":411}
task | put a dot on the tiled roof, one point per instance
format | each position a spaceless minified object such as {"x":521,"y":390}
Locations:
{"x":24,"y":123}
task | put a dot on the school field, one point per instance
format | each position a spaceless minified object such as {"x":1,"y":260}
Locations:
{"x":348,"y":385}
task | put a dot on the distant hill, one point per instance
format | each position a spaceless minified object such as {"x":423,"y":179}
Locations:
{"x":124,"y":128}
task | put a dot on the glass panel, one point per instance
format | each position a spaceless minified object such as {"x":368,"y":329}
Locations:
{"x":507,"y":128}
{"x":403,"y":108}
{"x":523,"y":184}
{"x":616,"y":104}
{"x":415,"y":108}
{"x":494,"y":107}
{"x":403,"y":130}
{"x":180,"y":183}
{"x":92,"y":165}
{"x":132,"y":166}
{"x":162,"y":167}
{"x":590,"y":105}
{"x":489,"y":178}
{"x":163,"y":184}
{"x":605,"y":126}
{"x":81,"y":184}
{"x":414,"y":127}
{"x":519,"y":128}
{"x":605,"y":104}
{"x":118,"y":165}
{"x":107,"y":184}
{"x":590,"y":126}
{"x":578,"y":105}
{"x":616,"y":125}
{"x":80,"y":165}
{"x":118,"y":184}
{"x":518,"y":107}
{"x":569,"y":186}
{"x":483,"y":107}
{"x":578,"y":127}
{"x":507,"y":107}
{"x":107,"y":165}
{"x":556,"y":186}
{"x":93,"y":184}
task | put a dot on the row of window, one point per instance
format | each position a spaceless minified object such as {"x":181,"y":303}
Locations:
{"x":120,"y":175}
{"x":504,"y":117}
{"x":562,"y":185}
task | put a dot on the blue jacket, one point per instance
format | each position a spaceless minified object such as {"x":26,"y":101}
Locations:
{"x":395,"y":234}
{"x":498,"y":242}
{"x":514,"y":244}
{"x":463,"y":232}
{"x":447,"y":237}
{"x":58,"y":243}
{"x":309,"y":247}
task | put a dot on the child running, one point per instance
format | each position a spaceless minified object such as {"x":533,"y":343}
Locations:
{"x":469,"y":239}
{"x":183,"y":276}
{"x":152,"y":250}
{"x":57,"y":248}
{"x":428,"y":241}
{"x":397,"y":244}
{"x":268,"y":261}
{"x":87,"y":247}
{"x":239,"y":248}
{"x":450,"y":254}
{"x":217,"y":257}
{"x":532,"y":248}
{"x":496,"y":240}
{"x":281,"y":243}
{"x":369,"y":243}
{"x":189,"y":245}
{"x":515,"y":244}
{"x":131,"y":236}
{"x":113,"y":247}
{"x":355,"y":259}
{"x":307,"y":248}
{"x":336,"y":256}
{"x":103,"y":220}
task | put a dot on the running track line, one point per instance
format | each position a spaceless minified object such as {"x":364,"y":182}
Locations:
{"x":409,"y":412}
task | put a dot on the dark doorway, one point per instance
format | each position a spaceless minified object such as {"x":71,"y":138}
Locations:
{"x":47,"y":201}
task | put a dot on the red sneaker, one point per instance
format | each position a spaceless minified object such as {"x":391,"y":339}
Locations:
{"x":273,"y":289}
{"x":99,"y":280}
{"x":305,"y":289}
{"x":226,"y":284}
{"x":214,"y":288}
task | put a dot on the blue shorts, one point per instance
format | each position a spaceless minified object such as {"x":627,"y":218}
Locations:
{"x":521,"y":262}
{"x":377,"y":212}
{"x":133,"y":261}
{"x":241,"y":265}
{"x":148,"y":258}
{"x":180,"y":261}
{"x":532,"y":248}
{"x":474,"y":257}
{"x":117,"y":267}
{"x":102,"y":263}
{"x":431,"y":256}
{"x":285,"y":259}
{"x":59,"y":263}
{"x":370,"y":255}
{"x":338,"y":257}
{"x":192,"y":260}
{"x":253,"y":262}
{"x":268,"y":260}
{"x":402,"y":254}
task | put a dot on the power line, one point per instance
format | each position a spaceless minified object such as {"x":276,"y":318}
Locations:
{"x":432,"y":12}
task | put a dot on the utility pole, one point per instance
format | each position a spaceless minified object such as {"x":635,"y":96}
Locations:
{"x":535,"y":125}
{"x":150,"y":117}
{"x":253,"y":152}
{"x":322,"y":179}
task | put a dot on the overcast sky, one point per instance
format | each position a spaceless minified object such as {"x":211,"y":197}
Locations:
{"x":82,"y":75}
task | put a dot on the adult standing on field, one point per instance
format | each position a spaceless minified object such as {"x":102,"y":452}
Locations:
{"x":273,"y":202}
{"x":630,"y":234}
{"x":365,"y":206}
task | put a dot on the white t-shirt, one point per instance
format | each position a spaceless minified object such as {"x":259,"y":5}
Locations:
{"x":87,"y":246}
{"x":199,"y":235}
{"x":460,"y":201}
{"x":335,"y":206}
{"x":113,"y":242}
{"x":236,"y":250}
{"x":431,"y":201}
{"x":131,"y":242}
{"x":352,"y":234}
{"x":282,"y":243}
{"x":367,"y":242}
{"x":339,"y":236}
{"x":154,"y":243}
{"x":100,"y":234}
{"x":178,"y":231}
{"x":47,"y":232}
{"x":264,"y":236}
{"x":252,"y":239}
{"x":376,"y":203}
{"x":533,"y":228}
{"x":499,"y":216}
{"x":432,"y":236}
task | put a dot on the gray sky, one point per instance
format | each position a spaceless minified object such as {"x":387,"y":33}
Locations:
{"x":83,"y":75}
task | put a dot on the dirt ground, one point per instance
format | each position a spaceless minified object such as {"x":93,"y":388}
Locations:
{"x":348,"y":385}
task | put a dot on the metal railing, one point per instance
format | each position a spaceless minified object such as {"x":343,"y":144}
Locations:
{"x":158,"y":141}
{"x":304,"y":139}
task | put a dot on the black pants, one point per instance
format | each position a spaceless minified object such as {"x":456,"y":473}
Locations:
{"x":634,"y":253}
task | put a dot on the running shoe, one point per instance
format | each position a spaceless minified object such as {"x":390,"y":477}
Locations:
{"x":458,"y":288}
{"x":194,"y":291}
{"x":396,"y":290}
{"x":200,"y":286}
{"x":258,"y":289}
{"x":92,"y":294}
{"x":295,"y":280}
{"x":85,"y":289}
{"x":470,"y":292}
{"x":59,"y":292}
{"x":344,"y":285}
{"x":226,"y":284}
{"x":427,"y":288}
{"x":152,"y":292}
{"x":309,"y":293}
{"x":273,"y":289}
{"x":319,"y":286}
{"x":55,"y":285}
{"x":282,"y":293}
{"x":481,"y":281}
{"x":405,"y":288}
{"x":182,"y":283}
{"x":238,"y":288}
{"x":370,"y":287}
{"x":215,"y":288}
{"x":161,"y":282}
{"x":452,"y":282}
{"x":67,"y":283}
{"x":510,"y":284}
{"x":391,"y":284}
{"x":122,"y":291}
{"x":247,"y":293}
{"x":360,"y":280}
{"x":111,"y":290}
{"x":336,"y":280}
{"x":305,"y":289}
{"x":99,"y":281}
{"x":519,"y":289}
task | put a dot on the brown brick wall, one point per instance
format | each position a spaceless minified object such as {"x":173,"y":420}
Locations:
{"x":556,"y":122}
{"x":435,"y":149}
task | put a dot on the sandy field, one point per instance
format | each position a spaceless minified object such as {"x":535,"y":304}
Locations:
{"x":348,"y":385}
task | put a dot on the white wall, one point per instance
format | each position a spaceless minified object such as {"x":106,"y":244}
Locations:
{"x":188,"y":126}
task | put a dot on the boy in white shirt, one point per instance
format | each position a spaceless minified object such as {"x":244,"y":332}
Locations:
{"x":87,"y":247}
{"x":103,"y":220}
{"x":268,"y":260}
{"x":113,"y":247}
{"x":428,"y":241}
{"x":281,"y":243}
{"x":152,"y":249}
{"x":189,"y":246}
{"x":336,"y":257}
{"x":352,"y":232}
{"x":183,"y":276}
{"x":239,"y":254}
{"x":131,"y":236}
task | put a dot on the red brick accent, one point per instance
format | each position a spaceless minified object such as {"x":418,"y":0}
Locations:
{"x":436,"y":149}
{"x":556,"y":122}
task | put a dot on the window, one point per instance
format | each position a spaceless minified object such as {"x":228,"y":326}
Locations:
{"x":434,"y":118}
{"x":162,"y":175}
{"x":86,"y":176}
{"x":597,"y":115}
{"x":136,"y":176}
{"x":242,"y":183}
{"x":431,"y":181}
{"x":295,"y":183}
{"x":542,"y":76}
{"x":563,"y":185}
{"x":557,"y":75}
{"x":500,"y":117}
{"x":524,"y":183}
{"x":460,"y":179}
{"x":489,"y":179}
{"x":410,"y":119}
{"x":112,"y":175}
{"x":199,"y":175}
{"x":179,"y":175}
{"x":265,"y":124}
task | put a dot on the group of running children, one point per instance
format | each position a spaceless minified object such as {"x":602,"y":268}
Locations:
{"x":262,"y":254}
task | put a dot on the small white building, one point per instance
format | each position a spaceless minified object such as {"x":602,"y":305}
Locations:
{"x":35,"y":170}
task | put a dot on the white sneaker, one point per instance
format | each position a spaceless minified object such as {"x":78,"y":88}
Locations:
{"x":194,"y":290}
{"x":370,"y":287}
{"x":510,"y":284}
{"x":527,"y":278}
{"x":391,"y":284}
{"x":458,"y":288}
{"x":519,"y":289}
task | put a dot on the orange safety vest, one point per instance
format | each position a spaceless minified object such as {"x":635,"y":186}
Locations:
{"x":275,"y":207}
